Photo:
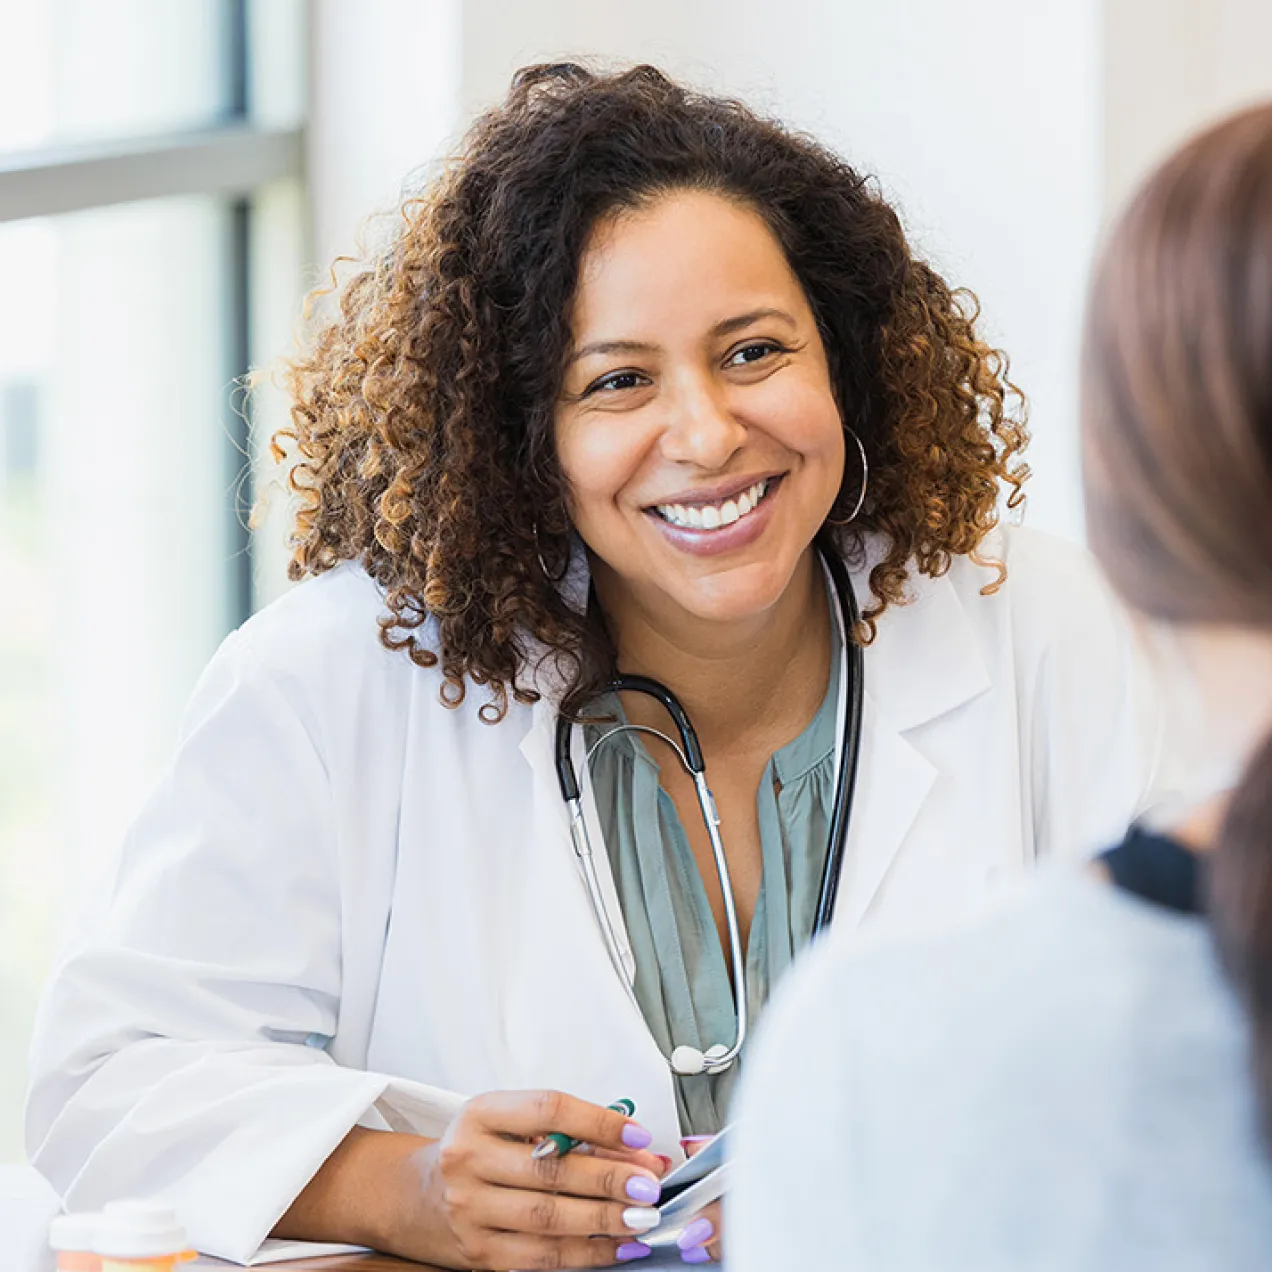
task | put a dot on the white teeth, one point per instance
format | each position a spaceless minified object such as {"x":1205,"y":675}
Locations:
{"x":713,"y":516}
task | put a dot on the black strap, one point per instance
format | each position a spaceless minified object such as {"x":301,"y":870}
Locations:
{"x":1158,"y":869}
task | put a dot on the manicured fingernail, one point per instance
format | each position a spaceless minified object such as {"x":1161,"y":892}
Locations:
{"x":635,"y":1136}
{"x":666,"y":1161}
{"x":697,"y":1233}
{"x":697,"y":1255}
{"x":643,"y":1189}
{"x":630,"y":1250}
{"x":640,"y":1218}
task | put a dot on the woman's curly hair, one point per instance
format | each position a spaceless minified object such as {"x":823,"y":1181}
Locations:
{"x":423,"y":412}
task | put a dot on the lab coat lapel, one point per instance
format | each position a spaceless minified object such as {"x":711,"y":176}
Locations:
{"x":924,"y":662}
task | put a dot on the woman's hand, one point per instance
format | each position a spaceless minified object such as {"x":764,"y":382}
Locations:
{"x":700,"y":1241}
{"x":477,"y":1198}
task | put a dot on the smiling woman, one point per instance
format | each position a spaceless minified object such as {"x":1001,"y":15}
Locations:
{"x":640,"y":382}
{"x":462,"y":328}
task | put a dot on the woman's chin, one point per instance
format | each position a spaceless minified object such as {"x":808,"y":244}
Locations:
{"x":732,"y":601}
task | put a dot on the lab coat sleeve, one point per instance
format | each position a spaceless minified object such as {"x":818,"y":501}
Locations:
{"x":172,"y":1056}
{"x":1092,"y":718}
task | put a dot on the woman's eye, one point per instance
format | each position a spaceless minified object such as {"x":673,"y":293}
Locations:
{"x":754,"y":352}
{"x":615,"y":382}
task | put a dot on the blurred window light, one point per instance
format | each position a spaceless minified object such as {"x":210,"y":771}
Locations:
{"x":81,"y":70}
{"x":124,"y":460}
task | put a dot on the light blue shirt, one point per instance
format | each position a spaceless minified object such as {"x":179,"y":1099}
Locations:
{"x":1062,"y":1086}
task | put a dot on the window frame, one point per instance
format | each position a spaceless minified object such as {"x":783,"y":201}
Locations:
{"x":229,"y":159}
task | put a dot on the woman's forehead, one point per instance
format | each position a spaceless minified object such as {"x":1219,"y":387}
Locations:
{"x":691,"y":260}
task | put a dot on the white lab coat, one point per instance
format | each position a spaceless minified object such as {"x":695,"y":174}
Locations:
{"x":347,"y":903}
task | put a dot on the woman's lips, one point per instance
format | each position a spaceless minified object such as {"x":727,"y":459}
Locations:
{"x":740,"y":534}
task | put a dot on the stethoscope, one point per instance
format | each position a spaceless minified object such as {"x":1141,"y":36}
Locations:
{"x":685,"y":1060}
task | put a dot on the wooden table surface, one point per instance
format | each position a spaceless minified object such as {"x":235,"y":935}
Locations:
{"x":383,"y":1263}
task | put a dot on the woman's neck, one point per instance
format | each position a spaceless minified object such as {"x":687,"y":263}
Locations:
{"x":754,"y":684}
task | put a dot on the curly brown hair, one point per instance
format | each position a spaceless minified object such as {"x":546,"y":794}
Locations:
{"x":423,"y":412}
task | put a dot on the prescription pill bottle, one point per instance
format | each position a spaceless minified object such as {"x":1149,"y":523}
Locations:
{"x":140,"y":1236}
{"x":71,"y":1238}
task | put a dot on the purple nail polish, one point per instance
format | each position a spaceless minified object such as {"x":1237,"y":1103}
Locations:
{"x":636,"y":1136}
{"x":643,"y":1189}
{"x":630,"y":1250}
{"x":697,"y":1255}
{"x":698,"y":1233}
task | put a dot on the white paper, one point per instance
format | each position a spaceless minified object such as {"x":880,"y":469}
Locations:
{"x":275,"y":1251}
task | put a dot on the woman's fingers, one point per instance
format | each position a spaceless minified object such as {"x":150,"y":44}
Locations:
{"x":556,"y":1215}
{"x":533,"y":1114}
{"x":700,"y":1241}
{"x":507,"y":1209}
{"x":609,"y":1178}
{"x":642,"y":1159}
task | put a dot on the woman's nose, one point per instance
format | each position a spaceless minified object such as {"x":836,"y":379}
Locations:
{"x":701,"y":428}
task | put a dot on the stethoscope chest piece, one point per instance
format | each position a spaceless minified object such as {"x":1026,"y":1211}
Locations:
{"x":688,"y":1062}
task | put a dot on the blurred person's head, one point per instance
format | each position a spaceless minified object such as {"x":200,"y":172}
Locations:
{"x":486,"y":394}
{"x":1177,"y":418}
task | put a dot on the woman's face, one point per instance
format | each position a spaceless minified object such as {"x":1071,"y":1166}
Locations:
{"x":697,"y":428}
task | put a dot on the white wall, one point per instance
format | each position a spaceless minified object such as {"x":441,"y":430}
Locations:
{"x":384,"y":99}
{"x":1003,"y":128}
{"x":1172,"y":65}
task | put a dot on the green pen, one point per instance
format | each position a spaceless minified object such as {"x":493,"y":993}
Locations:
{"x":557,"y":1145}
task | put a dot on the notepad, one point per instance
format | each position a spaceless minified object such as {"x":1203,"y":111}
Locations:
{"x":274,"y":1250}
{"x":704,"y":1178}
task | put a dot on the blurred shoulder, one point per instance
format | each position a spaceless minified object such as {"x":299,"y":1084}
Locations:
{"x":1028,"y":973}
{"x":935,"y":1093}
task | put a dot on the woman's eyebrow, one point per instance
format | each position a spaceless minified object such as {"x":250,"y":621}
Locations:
{"x":723,"y":328}
{"x":730,"y":325}
{"x":610,"y":346}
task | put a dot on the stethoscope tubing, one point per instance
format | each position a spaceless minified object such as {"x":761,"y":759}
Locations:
{"x":718,"y":1058}
{"x":849,"y":740}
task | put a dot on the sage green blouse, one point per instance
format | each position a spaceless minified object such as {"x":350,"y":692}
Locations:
{"x":682,"y":979}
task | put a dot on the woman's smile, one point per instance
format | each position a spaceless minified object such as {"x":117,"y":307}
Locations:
{"x":706,"y":526}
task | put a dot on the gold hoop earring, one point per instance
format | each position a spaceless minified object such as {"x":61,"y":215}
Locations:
{"x":865,"y":481}
{"x":543,"y":565}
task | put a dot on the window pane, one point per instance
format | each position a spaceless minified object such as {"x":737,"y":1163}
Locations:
{"x":83,"y":70}
{"x":116,"y":562}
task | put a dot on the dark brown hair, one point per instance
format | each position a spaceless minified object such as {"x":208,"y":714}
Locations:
{"x":1177,"y":414}
{"x":422,"y":414}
